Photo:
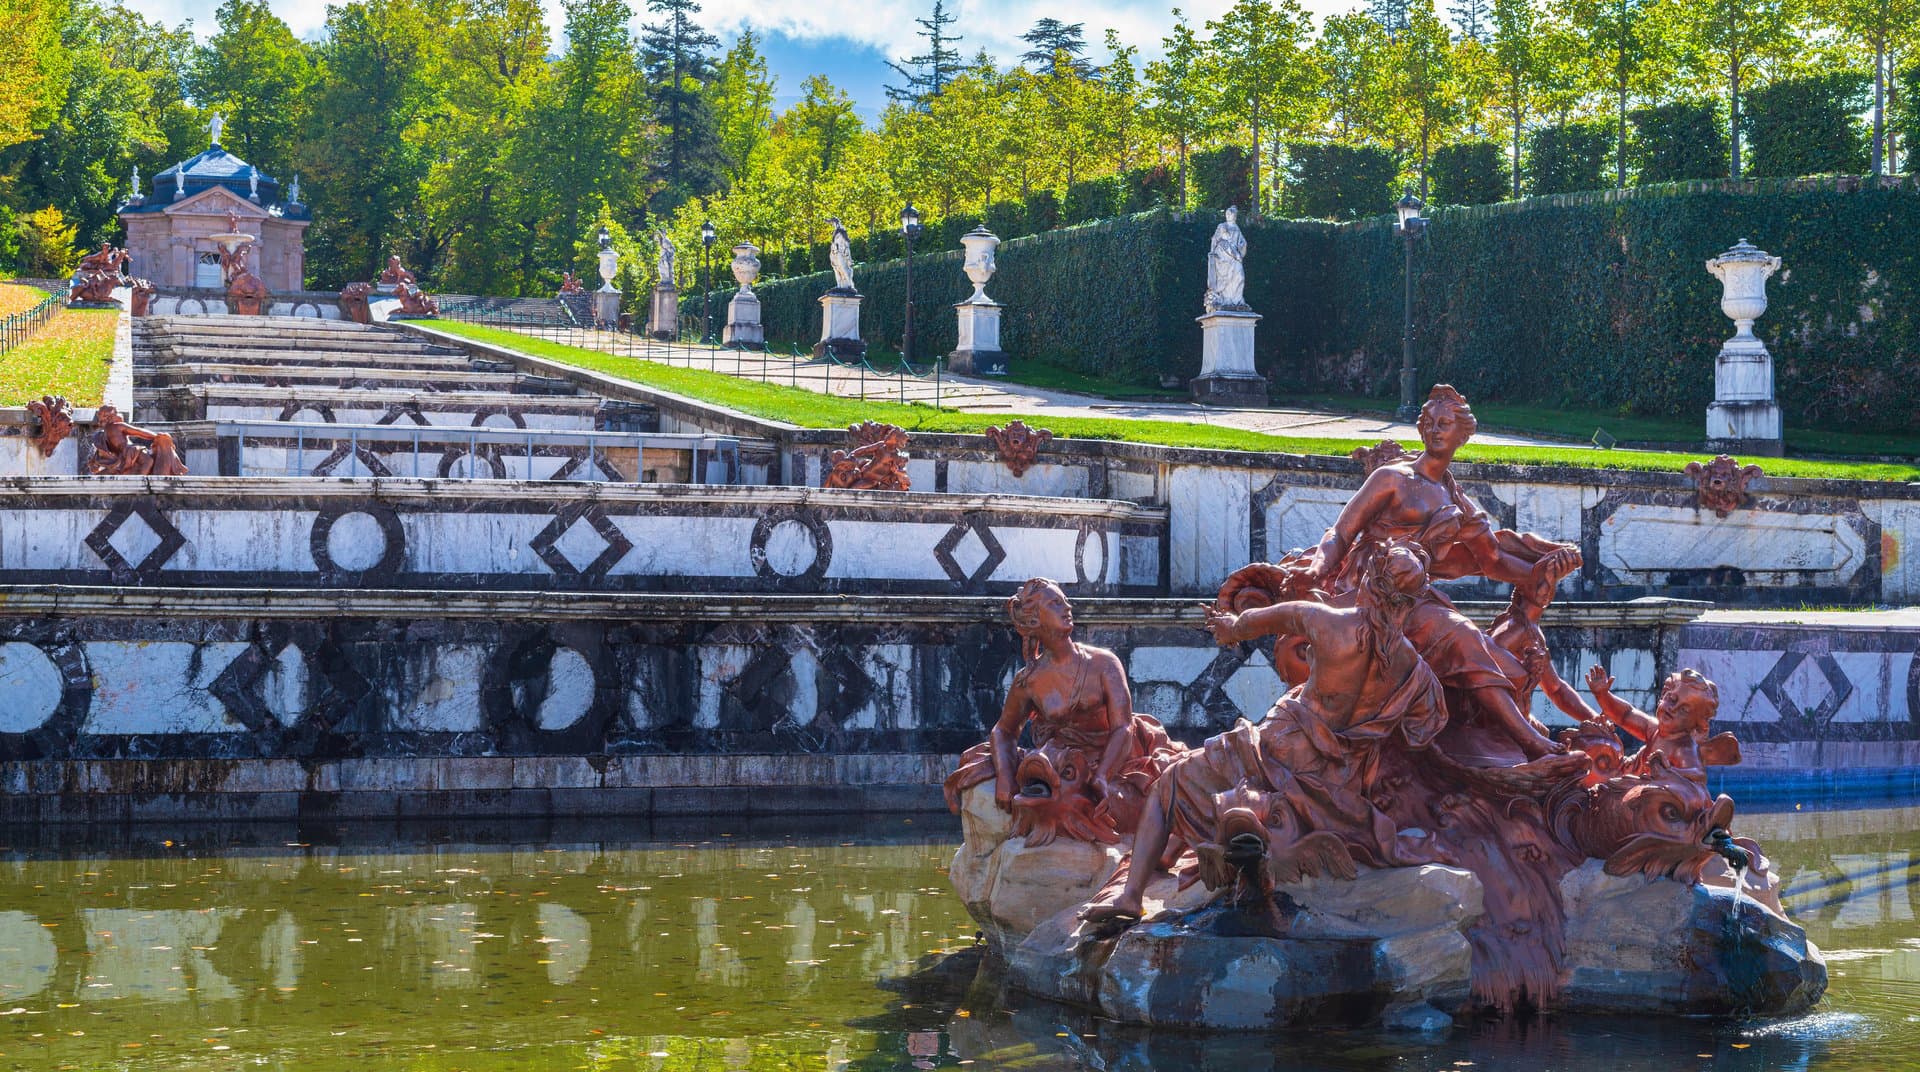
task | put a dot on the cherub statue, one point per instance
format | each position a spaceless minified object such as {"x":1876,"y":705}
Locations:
{"x":395,"y":273}
{"x":1676,"y":730}
{"x":120,"y":449}
{"x":877,"y":461}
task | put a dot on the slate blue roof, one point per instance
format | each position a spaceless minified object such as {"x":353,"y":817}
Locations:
{"x":215,"y":167}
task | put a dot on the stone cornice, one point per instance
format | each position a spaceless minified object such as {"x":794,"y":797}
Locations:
{"x":57,"y":601}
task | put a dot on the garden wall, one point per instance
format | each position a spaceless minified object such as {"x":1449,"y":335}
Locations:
{"x":1595,"y":300}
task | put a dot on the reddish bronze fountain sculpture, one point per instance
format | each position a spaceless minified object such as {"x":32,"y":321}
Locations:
{"x":1093,"y":758}
{"x":415,"y":303}
{"x":1722,"y":483}
{"x":247,"y":293}
{"x":876,"y":461}
{"x":1018,"y":445}
{"x":99,"y":274}
{"x":395,"y":274}
{"x":120,"y":449}
{"x":570,"y":284}
{"x":1403,"y":747}
{"x":354,"y":302}
{"x":53,"y":415}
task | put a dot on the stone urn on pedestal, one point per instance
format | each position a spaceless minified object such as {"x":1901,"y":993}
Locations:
{"x":978,"y":351}
{"x":606,"y":300}
{"x":744,"y":330}
{"x":1744,"y":418}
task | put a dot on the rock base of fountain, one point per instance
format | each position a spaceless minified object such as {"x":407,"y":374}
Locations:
{"x":1390,"y":947}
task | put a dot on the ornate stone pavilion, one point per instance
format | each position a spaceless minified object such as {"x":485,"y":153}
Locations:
{"x":169,"y":229}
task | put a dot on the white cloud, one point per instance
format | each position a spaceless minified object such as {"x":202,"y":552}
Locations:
{"x":887,"y":25}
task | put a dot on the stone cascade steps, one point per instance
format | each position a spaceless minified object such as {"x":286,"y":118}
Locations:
{"x":485,"y":452}
{"x":371,"y":405}
{"x":349,"y":376}
{"x":153,"y":358}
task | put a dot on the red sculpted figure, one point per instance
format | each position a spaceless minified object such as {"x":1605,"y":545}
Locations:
{"x":1291,"y":796}
{"x":395,"y":273}
{"x":877,"y":461}
{"x":1416,"y":498}
{"x":99,"y":273}
{"x":1093,"y":758}
{"x":570,"y":284}
{"x":120,"y":449}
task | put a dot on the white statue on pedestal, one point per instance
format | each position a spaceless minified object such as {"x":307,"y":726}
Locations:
{"x":840,"y":256}
{"x":664,"y":266}
{"x":136,"y":182}
{"x":215,"y":126}
{"x":1226,"y":270}
{"x":253,"y":183}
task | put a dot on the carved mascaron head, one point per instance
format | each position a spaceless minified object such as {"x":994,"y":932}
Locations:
{"x":1657,"y":824}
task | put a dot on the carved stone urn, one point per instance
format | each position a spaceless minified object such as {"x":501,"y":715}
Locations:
{"x":980,"y":244}
{"x":744,"y":330}
{"x":1743,"y":272}
{"x":746,"y":265}
{"x":1744,"y":418}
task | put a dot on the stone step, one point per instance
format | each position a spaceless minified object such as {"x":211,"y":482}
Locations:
{"x":245,"y":324}
{"x":291,"y":343}
{"x":457,"y":409}
{"x":307,"y":448}
{"x":148,"y":358}
{"x":340,"y":376}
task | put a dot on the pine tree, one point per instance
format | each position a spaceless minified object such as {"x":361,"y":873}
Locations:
{"x":674,"y":54}
{"x":927,"y":74}
{"x":1392,"y":15}
{"x":1473,"y":19}
{"x":1056,"y":44}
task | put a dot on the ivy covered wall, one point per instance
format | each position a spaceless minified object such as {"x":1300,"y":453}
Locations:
{"x":1600,"y":301}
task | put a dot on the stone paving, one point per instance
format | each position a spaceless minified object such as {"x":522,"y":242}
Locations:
{"x":979,"y":395}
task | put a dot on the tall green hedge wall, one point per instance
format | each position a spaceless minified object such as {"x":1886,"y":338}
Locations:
{"x":1595,"y":300}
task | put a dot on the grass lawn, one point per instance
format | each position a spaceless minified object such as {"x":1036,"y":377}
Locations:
{"x":1581,"y":424}
{"x":809,"y":409}
{"x":68,"y":356}
{"x":18,"y":298}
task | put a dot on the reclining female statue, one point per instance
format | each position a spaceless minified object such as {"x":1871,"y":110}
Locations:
{"x":1093,"y":759}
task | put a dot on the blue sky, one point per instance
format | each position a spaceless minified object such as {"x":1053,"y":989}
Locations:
{"x":849,"y":42}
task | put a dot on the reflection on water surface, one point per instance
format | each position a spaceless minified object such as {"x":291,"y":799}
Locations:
{"x":739,"y":950}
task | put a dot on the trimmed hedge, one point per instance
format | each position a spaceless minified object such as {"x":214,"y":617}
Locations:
{"x":1807,"y":126}
{"x":1679,"y":141}
{"x":1596,"y":300}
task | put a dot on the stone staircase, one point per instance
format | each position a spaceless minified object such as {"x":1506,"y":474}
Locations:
{"x":287,"y":396}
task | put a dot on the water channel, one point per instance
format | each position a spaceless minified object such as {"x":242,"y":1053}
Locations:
{"x":616,"y":947}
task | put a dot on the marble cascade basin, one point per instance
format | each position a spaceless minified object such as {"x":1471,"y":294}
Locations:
{"x":512,"y":534}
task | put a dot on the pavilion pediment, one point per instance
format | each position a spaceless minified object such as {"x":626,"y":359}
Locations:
{"x":216,"y":201}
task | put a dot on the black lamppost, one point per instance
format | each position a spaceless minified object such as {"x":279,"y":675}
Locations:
{"x":706,"y":286}
{"x":910,"y":227}
{"x":1410,"y":227}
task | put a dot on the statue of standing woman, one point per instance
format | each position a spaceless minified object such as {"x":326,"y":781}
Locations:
{"x":840,"y":256}
{"x":1226,"y":268}
{"x":664,"y":266}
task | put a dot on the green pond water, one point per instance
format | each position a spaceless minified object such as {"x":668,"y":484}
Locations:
{"x":628,"y":947}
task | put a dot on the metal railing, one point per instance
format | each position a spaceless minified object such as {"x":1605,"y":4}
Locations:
{"x":20,"y":327}
{"x":694,"y":348}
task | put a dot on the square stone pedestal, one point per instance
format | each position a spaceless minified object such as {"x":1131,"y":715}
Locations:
{"x":1744,"y":418}
{"x":840,"y":325}
{"x":978,"y":352}
{"x":744,"y":330}
{"x":663,"y":314}
{"x":606,"y":306}
{"x":1227,"y":375}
